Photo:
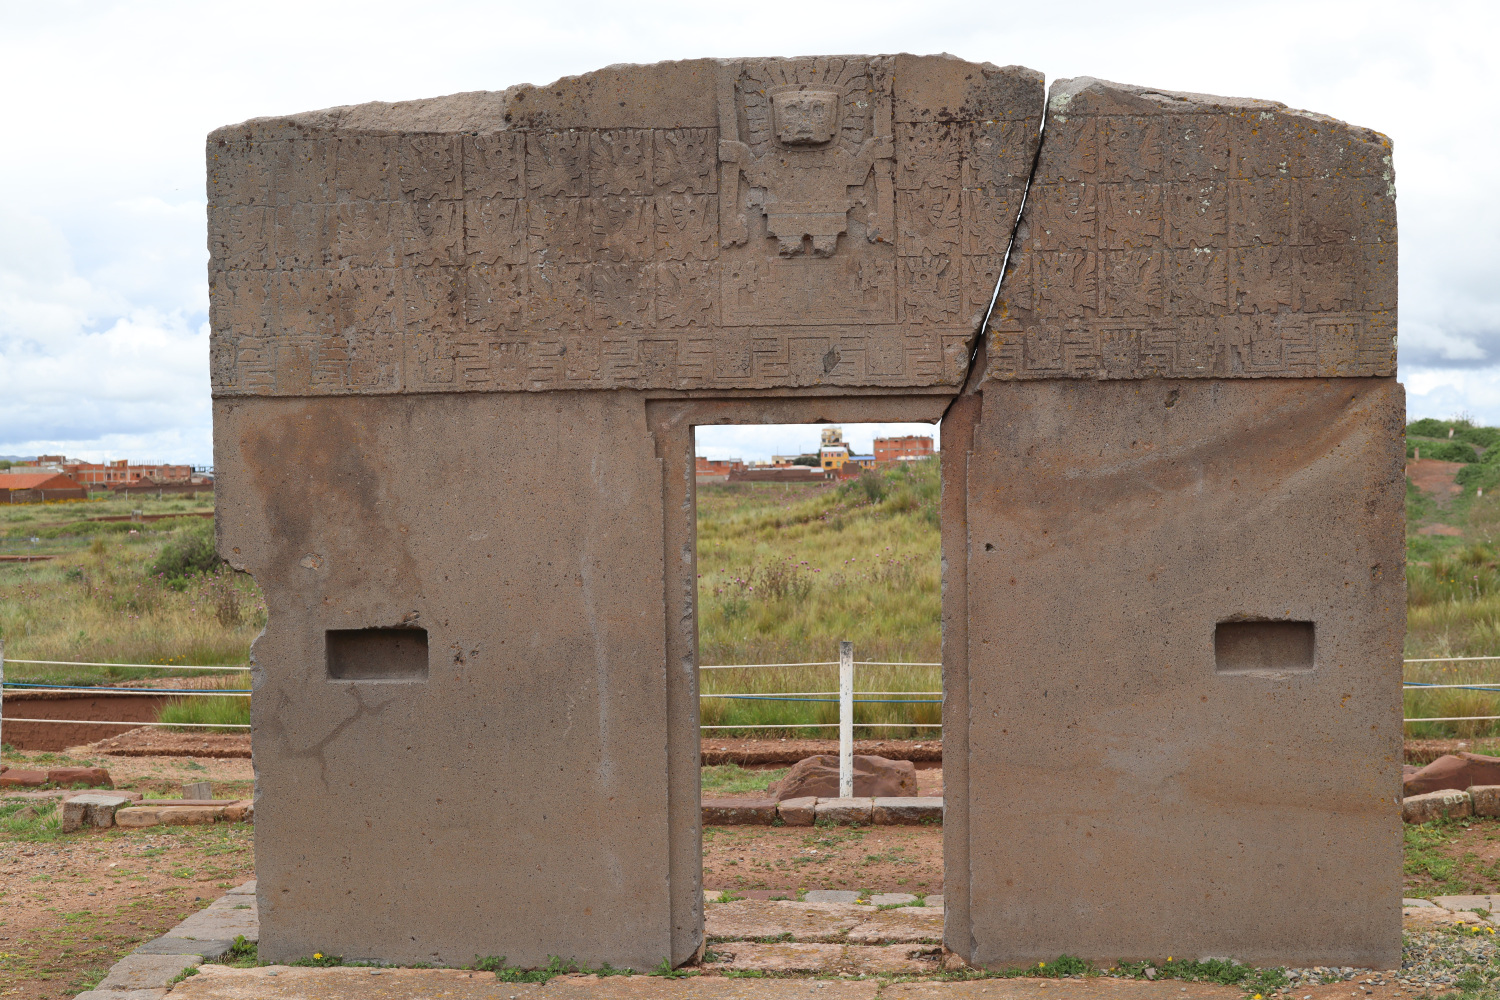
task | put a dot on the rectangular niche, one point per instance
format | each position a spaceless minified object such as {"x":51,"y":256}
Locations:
{"x":377,"y":654}
{"x":1264,"y":648}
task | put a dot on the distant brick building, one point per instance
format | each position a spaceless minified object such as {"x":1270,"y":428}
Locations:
{"x":909,"y":448}
{"x":710,"y":467}
{"x":36,"y":487}
{"x":109,"y":474}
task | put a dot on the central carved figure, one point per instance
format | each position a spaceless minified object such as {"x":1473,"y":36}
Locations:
{"x":802,"y":185}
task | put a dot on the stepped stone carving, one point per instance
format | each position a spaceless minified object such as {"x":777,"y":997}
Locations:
{"x":777,"y":223}
{"x":1190,"y":236}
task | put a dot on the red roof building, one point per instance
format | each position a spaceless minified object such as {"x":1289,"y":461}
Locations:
{"x":36,"y":487}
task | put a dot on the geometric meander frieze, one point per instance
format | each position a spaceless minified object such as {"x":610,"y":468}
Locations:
{"x":727,"y":224}
{"x":1183,"y":235}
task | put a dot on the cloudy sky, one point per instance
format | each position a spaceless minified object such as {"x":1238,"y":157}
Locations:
{"x":103,"y":294}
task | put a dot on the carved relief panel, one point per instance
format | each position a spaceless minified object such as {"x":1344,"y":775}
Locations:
{"x":1189,"y":236}
{"x":822,"y":221}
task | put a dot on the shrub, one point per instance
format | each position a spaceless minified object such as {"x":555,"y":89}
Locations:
{"x":189,"y":552}
{"x":1441,"y":450}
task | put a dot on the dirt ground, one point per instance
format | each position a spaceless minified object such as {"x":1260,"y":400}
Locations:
{"x":770,"y":861}
{"x":1432,"y":476}
{"x":72,"y":905}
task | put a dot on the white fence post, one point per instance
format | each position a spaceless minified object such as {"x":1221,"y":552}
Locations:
{"x":846,"y":719}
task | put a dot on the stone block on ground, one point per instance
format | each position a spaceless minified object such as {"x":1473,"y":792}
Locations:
{"x":1486,"y":799}
{"x":798,"y":812}
{"x":1424,"y":917}
{"x":223,"y":920}
{"x":831,"y":896}
{"x":13,"y":777}
{"x":144,"y":972}
{"x":934,"y":901}
{"x":1455,"y":772}
{"x":96,"y":809}
{"x":869,"y":959}
{"x":168,"y":815}
{"x":905,"y":925}
{"x":854,"y":810}
{"x":891,"y":898}
{"x":122,"y":995}
{"x":1417,"y":902}
{"x":1489,"y":903}
{"x":248,"y":889}
{"x":785,"y":956}
{"x":210,"y":949}
{"x":93,"y":777}
{"x":198,"y":790}
{"x":240,"y":812}
{"x":907,"y":809}
{"x":751,"y":812}
{"x":746,"y":919}
{"x":873,"y":776}
{"x":1436,"y":805}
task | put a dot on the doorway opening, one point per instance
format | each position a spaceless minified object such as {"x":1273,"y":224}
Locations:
{"x":809,"y":535}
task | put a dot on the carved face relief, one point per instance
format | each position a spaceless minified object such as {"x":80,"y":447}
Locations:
{"x":805,"y":117}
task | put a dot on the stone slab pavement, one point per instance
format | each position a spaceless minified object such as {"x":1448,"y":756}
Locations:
{"x":283,"y":983}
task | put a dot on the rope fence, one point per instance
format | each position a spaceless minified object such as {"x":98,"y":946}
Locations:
{"x":844,"y":696}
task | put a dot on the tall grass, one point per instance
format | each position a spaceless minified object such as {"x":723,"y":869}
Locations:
{"x":99,"y":601}
{"x":785,"y":572}
{"x":210,"y":710}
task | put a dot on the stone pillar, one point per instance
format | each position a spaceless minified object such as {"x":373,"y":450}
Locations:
{"x":482,"y":769}
{"x":1181,"y":717}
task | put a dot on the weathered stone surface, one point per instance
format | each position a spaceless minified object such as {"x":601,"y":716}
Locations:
{"x":892,"y":958}
{"x":93,"y":809}
{"x":215,"y":982}
{"x":780,"y":956}
{"x":756,"y":812}
{"x":1486,"y":799}
{"x":14,"y":777}
{"x":1453,"y":772}
{"x":1490,"y":902}
{"x":844,"y":810}
{"x":803,"y":241}
{"x":154,"y":994}
{"x":819,"y":776}
{"x":1436,"y":805}
{"x":1119,"y":502}
{"x":758,"y":223}
{"x":208,"y":948}
{"x":768,"y":918}
{"x":168,"y":815}
{"x":93,"y":777}
{"x":1424,"y":917}
{"x":1092,"y":988}
{"x":891,"y":898}
{"x":224,"y":919}
{"x":798,"y":812}
{"x":906,"y":924}
{"x":831,"y":896}
{"x":540,"y":589}
{"x":142,"y":972}
{"x":907,"y":809}
{"x":1185,"y":236}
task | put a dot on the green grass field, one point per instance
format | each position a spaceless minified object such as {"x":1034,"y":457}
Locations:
{"x":785,"y":572}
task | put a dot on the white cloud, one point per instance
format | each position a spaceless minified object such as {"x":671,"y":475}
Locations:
{"x":1450,"y":392}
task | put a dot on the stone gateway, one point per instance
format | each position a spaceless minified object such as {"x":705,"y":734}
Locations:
{"x":459,"y":349}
